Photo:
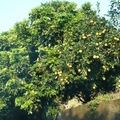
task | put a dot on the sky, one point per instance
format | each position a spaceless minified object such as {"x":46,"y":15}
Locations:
{"x":12,"y":11}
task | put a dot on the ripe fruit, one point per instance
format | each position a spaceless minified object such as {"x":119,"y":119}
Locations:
{"x":79,"y":70}
{"x":80,"y":51}
{"x":95,"y":56}
{"x":89,"y":70}
{"x":104,"y":31}
{"x":113,"y":46}
{"x":59,"y":52}
{"x":98,"y":34}
{"x":94,"y":86}
{"x":97,"y":44}
{"x":98,"y":48}
{"x":115,"y":38}
{"x":56,"y":73}
{"x":91,"y":21}
{"x":106,"y":44}
{"x":59,"y":73}
{"x":69,"y":65}
{"x":83,"y":36}
{"x":104,"y":67}
{"x":88,"y":35}
{"x":85,"y":78}
{"x":66,"y":80}
{"x":103,"y":78}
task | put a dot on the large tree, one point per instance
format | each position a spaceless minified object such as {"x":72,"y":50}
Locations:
{"x":59,"y":52}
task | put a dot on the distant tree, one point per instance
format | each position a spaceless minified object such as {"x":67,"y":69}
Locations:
{"x":114,"y":12}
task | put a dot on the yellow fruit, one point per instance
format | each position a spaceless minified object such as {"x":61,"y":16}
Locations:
{"x":94,"y":86}
{"x":98,"y":48}
{"x":60,"y":52}
{"x":115,"y":38}
{"x":83,"y":36}
{"x":85,"y":78}
{"x":97,"y":44}
{"x":91,"y":21}
{"x":113,"y":46}
{"x":103,"y":78}
{"x":88,"y":35}
{"x":67,"y":64}
{"x":112,"y":67}
{"x":106,"y":44}
{"x":95,"y":56}
{"x":70,"y":66}
{"x":56,"y":73}
{"x":104,"y":31}
{"x":89,"y":70}
{"x":80,"y":51}
{"x":97,"y":33}
{"x":79,"y":70}
{"x":67,"y":81}
{"x":60,"y":73}
{"x":104,"y":67}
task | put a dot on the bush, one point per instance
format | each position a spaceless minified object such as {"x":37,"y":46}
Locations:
{"x":97,"y":100}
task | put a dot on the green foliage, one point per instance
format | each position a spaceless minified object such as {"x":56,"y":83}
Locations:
{"x":114,"y":12}
{"x":100,"y":98}
{"x":59,"y":52}
{"x":2,"y":104}
{"x":117,"y":84}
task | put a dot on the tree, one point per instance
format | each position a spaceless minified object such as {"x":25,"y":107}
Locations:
{"x":59,"y":52}
{"x":114,"y":12}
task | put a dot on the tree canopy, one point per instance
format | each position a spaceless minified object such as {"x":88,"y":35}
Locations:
{"x":59,"y":52}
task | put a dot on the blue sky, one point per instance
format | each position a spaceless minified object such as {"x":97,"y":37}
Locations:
{"x":12,"y":11}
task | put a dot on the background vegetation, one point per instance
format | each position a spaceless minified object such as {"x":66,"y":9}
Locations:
{"x":59,"y":52}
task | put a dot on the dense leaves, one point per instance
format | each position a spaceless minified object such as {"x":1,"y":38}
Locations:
{"x":58,"y":53}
